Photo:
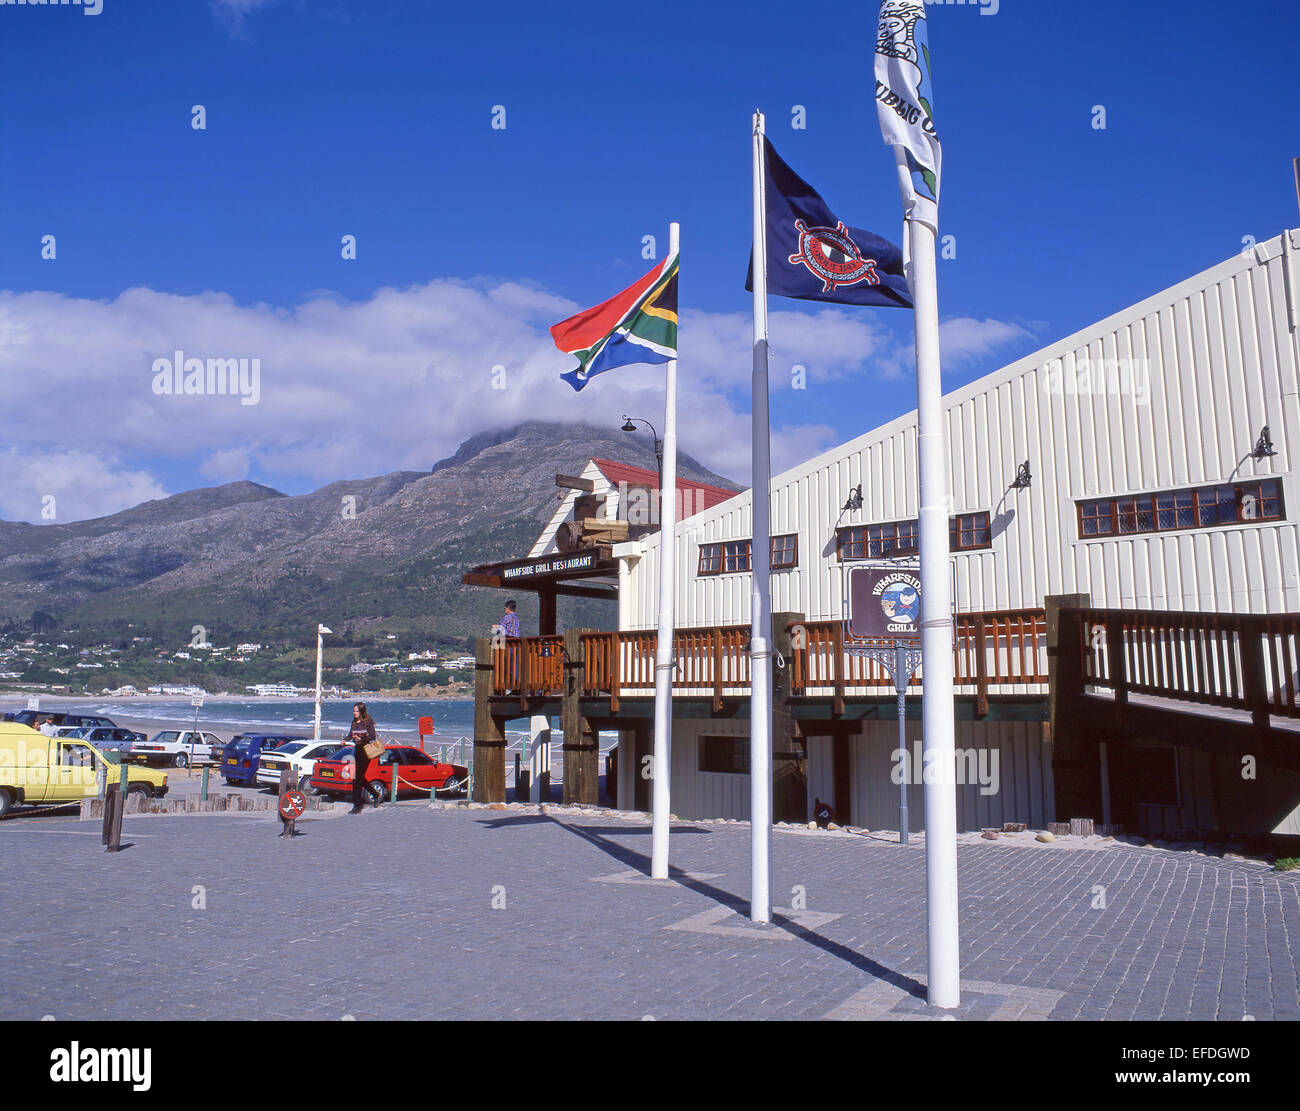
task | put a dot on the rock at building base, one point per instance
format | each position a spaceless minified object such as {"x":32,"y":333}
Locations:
{"x":1045,"y":837}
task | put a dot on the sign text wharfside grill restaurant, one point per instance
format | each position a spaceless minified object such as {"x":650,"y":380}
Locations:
{"x":550,"y":565}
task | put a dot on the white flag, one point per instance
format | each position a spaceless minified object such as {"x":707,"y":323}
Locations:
{"x":904,"y":101}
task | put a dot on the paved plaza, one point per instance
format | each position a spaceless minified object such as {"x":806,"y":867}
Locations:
{"x":413,"y":912}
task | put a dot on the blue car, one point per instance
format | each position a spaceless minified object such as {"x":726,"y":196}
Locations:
{"x":239,"y":758}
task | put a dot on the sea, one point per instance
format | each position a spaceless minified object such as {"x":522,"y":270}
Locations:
{"x":397,"y":716}
{"x":396,"y":719}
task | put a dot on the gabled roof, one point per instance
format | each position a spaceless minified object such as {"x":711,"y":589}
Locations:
{"x":705,"y":496}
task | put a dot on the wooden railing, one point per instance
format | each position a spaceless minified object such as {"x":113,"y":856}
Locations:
{"x":710,"y":661}
{"x":1239,"y":661}
{"x":532,"y":667}
{"x":1005,"y":651}
{"x":1002,"y":652}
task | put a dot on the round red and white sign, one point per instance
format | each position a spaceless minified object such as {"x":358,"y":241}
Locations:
{"x":292,"y":805}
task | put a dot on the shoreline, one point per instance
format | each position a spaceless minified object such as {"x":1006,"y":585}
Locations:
{"x":423,"y":694}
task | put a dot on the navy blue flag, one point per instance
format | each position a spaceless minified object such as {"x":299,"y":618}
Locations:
{"x":813,"y":256}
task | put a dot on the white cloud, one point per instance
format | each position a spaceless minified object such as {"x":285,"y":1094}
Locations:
{"x":81,"y":484}
{"x":397,"y":381}
{"x":229,"y":465}
{"x":964,"y":339}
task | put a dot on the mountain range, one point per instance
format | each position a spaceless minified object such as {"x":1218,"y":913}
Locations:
{"x":247,"y":562}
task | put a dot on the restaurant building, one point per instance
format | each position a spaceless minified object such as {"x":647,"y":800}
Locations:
{"x":1126,"y":571}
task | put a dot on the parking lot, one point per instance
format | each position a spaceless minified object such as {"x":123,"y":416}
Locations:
{"x":456,"y":913}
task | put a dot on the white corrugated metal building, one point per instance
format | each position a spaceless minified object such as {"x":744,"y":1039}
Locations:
{"x":1164,"y":401}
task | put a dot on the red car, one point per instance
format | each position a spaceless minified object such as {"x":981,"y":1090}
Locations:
{"x":417,"y":773}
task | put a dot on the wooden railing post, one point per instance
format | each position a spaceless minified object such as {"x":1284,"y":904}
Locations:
{"x":1117,"y":662}
{"x":615,"y":671}
{"x":1250,"y":643}
{"x":716,"y":635}
{"x":837,"y":706}
{"x":981,"y":669}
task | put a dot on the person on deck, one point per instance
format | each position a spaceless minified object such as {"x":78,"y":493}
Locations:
{"x":510,"y":629}
{"x":510,"y":621}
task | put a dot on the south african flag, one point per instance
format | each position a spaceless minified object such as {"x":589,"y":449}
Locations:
{"x":638,"y":325}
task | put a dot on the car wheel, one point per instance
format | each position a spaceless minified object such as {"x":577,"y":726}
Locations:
{"x":181,"y":760}
{"x":451,"y":786}
{"x":140,"y":789}
{"x":304,"y":785}
{"x":6,"y":803}
{"x":378,"y":792}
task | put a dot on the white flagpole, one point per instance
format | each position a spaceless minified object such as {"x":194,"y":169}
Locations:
{"x":662,"y":764}
{"x":943,"y":964}
{"x":760,"y":643}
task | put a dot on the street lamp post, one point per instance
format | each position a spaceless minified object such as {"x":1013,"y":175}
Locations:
{"x":629,"y":425}
{"x":321,"y":630}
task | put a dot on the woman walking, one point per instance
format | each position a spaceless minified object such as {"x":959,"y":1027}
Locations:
{"x":361,"y":733}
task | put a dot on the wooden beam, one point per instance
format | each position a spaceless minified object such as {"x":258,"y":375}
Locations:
{"x":609,"y":594}
{"x":568,"y":482}
{"x":489,"y":731}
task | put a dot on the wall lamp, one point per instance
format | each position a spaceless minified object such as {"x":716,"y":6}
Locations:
{"x":855,"y":500}
{"x":1263,"y":446}
{"x":1023,"y":479}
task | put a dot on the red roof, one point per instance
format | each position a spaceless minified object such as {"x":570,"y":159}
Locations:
{"x":701,"y":495}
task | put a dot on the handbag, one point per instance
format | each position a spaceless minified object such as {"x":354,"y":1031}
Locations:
{"x":373,"y":750}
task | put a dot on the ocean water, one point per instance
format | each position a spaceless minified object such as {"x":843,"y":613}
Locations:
{"x":396,"y":717}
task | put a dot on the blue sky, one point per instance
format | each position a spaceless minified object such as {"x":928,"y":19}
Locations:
{"x":334,"y":117}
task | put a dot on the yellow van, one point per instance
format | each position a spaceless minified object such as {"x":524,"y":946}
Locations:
{"x":50,"y":771}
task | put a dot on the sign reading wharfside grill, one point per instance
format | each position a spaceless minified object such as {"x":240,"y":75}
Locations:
{"x":550,"y":565}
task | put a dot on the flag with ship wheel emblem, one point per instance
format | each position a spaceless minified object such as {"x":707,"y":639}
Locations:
{"x":814,"y":256}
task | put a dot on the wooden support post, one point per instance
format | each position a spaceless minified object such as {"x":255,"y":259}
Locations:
{"x":837,"y":703}
{"x":581,"y":742}
{"x":546,"y":615}
{"x":1076,"y":757}
{"x":489,"y":775}
{"x":981,"y":669}
{"x":789,"y":766}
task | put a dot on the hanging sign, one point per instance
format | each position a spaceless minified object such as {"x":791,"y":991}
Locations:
{"x":884,"y":605}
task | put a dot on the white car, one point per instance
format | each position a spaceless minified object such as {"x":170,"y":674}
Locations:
{"x":299,"y":756}
{"x":178,"y":747}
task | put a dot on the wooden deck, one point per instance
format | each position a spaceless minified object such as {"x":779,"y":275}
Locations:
{"x":994,"y":653}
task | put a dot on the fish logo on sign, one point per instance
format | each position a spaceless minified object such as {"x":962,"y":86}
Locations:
{"x":831,"y":255}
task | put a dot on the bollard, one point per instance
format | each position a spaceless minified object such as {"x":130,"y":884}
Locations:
{"x":203,"y":787}
{"x":101,"y":779}
{"x":393,"y":795}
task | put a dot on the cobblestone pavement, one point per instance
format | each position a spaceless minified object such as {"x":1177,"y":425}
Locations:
{"x":413,"y":913}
